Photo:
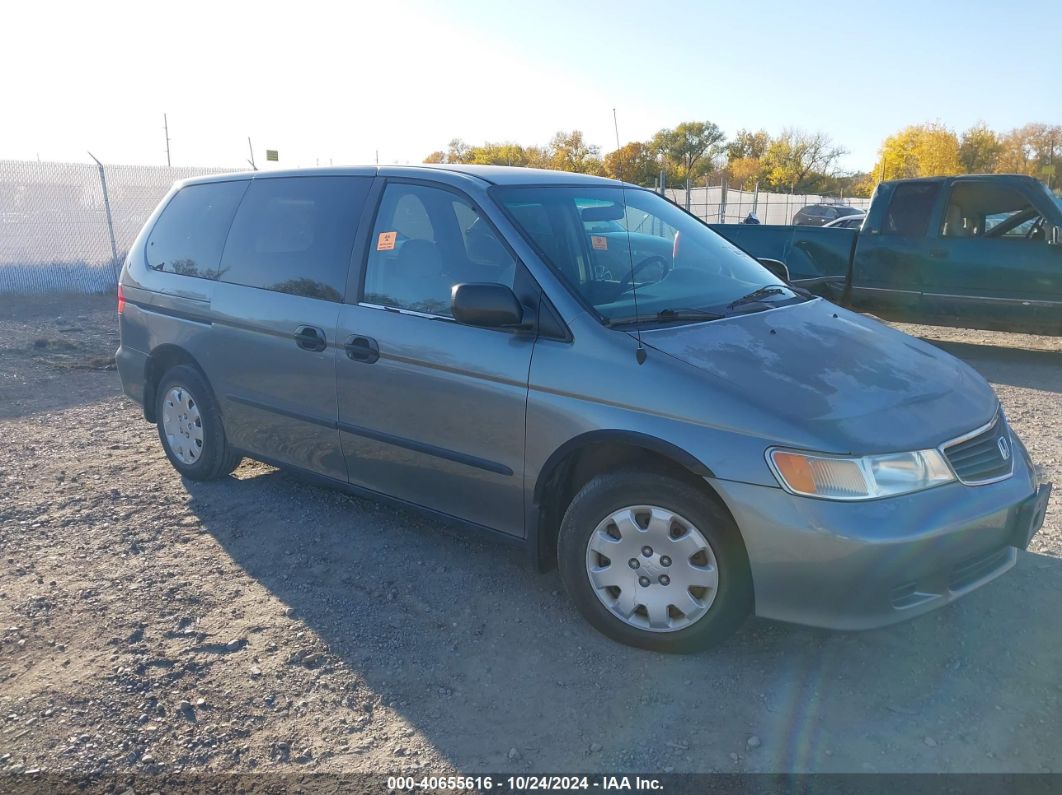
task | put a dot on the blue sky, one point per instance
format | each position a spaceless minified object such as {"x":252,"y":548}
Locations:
{"x":340,"y":82}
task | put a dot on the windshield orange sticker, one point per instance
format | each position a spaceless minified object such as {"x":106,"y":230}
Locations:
{"x":386,"y":241}
{"x":599,"y":242}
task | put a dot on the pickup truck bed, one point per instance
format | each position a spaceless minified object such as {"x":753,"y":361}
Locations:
{"x":810,"y":252}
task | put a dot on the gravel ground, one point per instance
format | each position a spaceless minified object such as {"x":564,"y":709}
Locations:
{"x":261,"y":624}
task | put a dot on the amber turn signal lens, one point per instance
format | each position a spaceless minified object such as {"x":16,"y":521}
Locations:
{"x":796,"y":471}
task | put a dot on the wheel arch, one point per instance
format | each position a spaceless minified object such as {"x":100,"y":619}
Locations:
{"x":582,"y":457}
{"x":162,"y":359}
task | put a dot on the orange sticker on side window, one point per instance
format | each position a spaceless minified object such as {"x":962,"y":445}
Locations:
{"x":599,"y":242}
{"x":386,"y":241}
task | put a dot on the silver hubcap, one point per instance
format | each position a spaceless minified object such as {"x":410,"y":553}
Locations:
{"x":652,"y":568}
{"x":183,"y":425}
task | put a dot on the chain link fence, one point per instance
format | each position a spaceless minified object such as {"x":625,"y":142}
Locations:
{"x":719,"y":205}
{"x":54,"y":233}
{"x":55,"y":236}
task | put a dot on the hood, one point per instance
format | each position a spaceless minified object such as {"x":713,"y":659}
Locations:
{"x":847,"y":382}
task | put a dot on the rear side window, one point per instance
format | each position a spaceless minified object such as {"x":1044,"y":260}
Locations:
{"x":295,"y":235}
{"x":910,"y":209}
{"x":190,"y":234}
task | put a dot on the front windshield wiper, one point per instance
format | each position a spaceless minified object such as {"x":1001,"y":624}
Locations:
{"x":756,"y":295}
{"x":666,"y":316}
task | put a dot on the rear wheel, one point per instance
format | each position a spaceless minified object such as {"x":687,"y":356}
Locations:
{"x":654,"y":562}
{"x":190,"y":427}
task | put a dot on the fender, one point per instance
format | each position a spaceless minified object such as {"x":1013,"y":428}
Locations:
{"x":539,"y":548}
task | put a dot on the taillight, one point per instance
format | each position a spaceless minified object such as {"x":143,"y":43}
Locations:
{"x":121,"y":300}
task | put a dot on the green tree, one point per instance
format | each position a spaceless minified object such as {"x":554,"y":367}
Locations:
{"x":689,"y":149}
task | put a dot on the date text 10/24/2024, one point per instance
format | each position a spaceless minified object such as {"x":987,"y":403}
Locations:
{"x":528,"y":783}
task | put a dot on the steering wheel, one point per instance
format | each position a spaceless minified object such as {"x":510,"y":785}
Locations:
{"x":628,"y":280}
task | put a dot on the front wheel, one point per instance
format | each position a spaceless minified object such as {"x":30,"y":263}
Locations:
{"x":654,"y":562}
{"x":190,"y":427}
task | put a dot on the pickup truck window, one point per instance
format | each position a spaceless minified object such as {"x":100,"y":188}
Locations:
{"x":909,"y":210}
{"x":984,"y":209}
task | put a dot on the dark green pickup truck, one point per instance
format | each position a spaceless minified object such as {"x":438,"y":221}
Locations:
{"x":974,"y":251}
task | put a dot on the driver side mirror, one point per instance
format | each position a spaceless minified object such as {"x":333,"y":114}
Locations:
{"x":1055,"y":238}
{"x":777,"y":268}
{"x":488,"y":305}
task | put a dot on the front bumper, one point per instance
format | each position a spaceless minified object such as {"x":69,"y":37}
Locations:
{"x":858,"y":565}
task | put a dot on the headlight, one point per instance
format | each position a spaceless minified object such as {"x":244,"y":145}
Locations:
{"x":834,"y":477}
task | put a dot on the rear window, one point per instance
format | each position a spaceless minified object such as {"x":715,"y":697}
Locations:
{"x":910,"y":208}
{"x":190,"y":234}
{"x":295,"y":235}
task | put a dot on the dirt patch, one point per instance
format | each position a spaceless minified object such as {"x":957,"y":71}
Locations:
{"x":261,"y":624}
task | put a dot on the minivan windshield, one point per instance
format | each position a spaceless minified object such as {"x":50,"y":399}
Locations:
{"x":635,"y":257}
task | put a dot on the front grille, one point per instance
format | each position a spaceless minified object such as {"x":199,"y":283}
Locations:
{"x":984,"y":456}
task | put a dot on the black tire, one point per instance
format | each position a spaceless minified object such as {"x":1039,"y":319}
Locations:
{"x":215,"y":460}
{"x":608,"y":493}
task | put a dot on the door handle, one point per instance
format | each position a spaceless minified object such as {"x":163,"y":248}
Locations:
{"x":362,"y":349}
{"x":310,"y":338}
{"x":939,"y":253}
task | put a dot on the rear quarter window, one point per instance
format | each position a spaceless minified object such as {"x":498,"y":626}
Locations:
{"x":295,"y":235}
{"x":189,"y":235}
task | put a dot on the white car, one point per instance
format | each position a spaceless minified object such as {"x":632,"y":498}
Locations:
{"x":846,"y":222}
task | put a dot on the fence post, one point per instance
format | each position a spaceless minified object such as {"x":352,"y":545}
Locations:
{"x":110,"y":222}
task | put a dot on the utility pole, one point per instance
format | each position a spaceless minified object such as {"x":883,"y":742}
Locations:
{"x":251,"y":150}
{"x":166,"y":127}
{"x":616,"y":125}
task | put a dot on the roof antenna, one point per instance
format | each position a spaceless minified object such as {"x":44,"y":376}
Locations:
{"x":639,"y":352}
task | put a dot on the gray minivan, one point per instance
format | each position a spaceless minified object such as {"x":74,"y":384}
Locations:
{"x":580,"y":366}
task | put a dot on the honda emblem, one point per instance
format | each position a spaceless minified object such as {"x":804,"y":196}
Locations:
{"x":1004,"y":447}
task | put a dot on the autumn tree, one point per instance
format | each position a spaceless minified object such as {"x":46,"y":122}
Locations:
{"x":457,"y":151}
{"x":796,"y":160}
{"x":744,"y":158}
{"x":745,"y":172}
{"x":748,"y":145}
{"x":565,"y":152}
{"x":979,"y":150}
{"x":497,"y":154}
{"x":569,"y":151}
{"x":635,"y":162}
{"x":921,"y":150}
{"x":1028,"y":149}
